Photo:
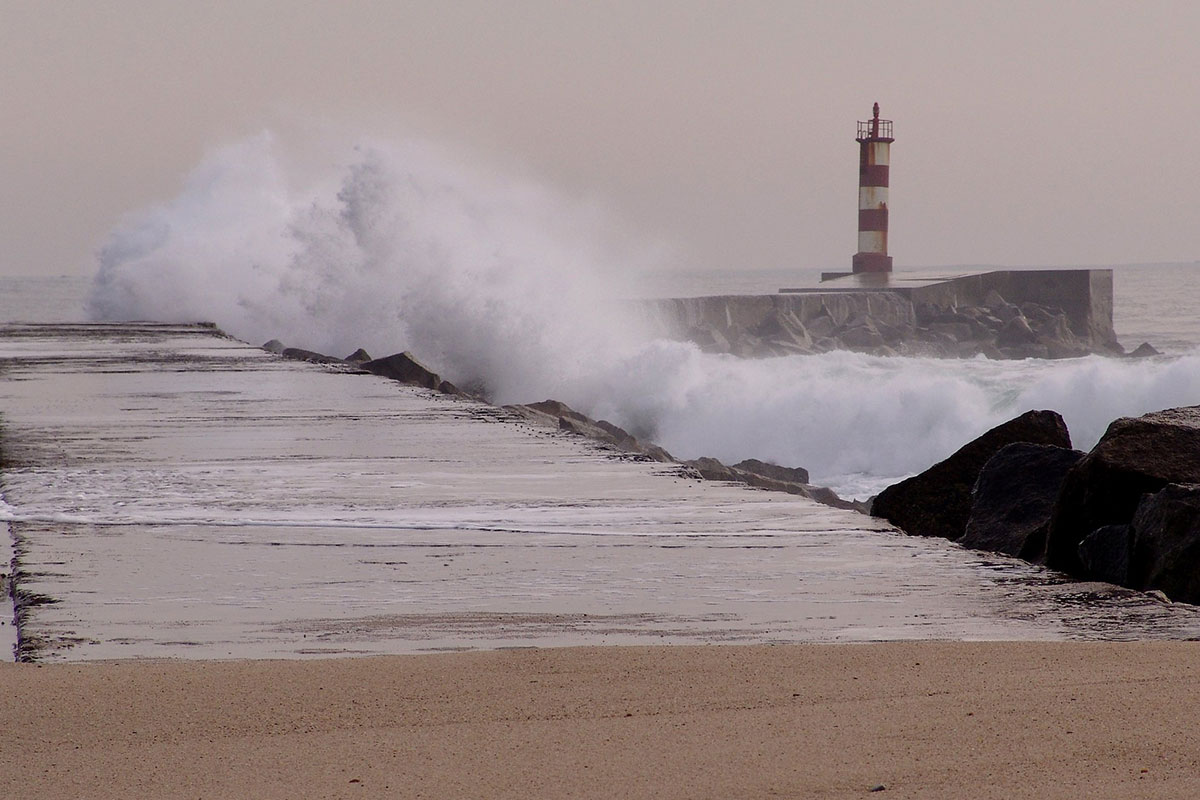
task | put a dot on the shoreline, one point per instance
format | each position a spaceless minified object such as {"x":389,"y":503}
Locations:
{"x":10,"y":632}
{"x":922,"y":720}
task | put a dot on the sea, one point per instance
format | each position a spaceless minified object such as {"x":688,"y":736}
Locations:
{"x":857,"y":422}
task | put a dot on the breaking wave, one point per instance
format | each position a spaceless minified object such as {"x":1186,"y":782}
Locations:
{"x":503,"y":285}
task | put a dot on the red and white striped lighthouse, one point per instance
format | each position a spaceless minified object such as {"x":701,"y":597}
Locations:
{"x":874,"y":142}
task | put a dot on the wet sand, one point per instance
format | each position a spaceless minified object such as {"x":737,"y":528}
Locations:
{"x":924,"y":720}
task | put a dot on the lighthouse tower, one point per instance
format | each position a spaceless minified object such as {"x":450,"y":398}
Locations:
{"x":874,"y":142}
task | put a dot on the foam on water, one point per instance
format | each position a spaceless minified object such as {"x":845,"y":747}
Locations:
{"x":504,"y":286}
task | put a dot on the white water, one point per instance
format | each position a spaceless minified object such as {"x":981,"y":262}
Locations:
{"x":500,"y":284}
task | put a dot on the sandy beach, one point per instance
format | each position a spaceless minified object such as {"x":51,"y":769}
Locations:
{"x":923,"y":720}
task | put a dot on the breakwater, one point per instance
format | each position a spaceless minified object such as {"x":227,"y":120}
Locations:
{"x":184,"y":494}
{"x":999,"y":314}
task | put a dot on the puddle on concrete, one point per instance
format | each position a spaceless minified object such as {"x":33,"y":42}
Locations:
{"x":181,"y":494}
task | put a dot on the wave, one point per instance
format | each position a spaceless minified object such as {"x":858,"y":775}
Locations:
{"x":504,"y":286}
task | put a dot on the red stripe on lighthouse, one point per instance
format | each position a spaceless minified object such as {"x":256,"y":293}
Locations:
{"x":873,"y":175}
{"x":872,"y":219}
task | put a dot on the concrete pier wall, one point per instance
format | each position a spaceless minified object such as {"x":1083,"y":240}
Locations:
{"x":750,"y":312}
{"x":1084,"y":295}
{"x":1060,"y":313}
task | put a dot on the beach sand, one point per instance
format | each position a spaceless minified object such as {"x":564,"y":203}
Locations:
{"x":923,"y":720}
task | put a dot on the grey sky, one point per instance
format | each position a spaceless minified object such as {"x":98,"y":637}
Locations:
{"x":1026,"y":133}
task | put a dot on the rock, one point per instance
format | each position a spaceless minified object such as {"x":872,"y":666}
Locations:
{"x":405,"y":368}
{"x":1143,"y":350}
{"x":820,"y":327}
{"x":862,"y":337}
{"x":938,"y":501}
{"x":1017,"y":352}
{"x":784,"y":327}
{"x":893,"y":334}
{"x":994,"y":300}
{"x":1006,"y":313}
{"x":1065,"y":350}
{"x":358,"y":356}
{"x":569,"y":419}
{"x":713,"y":470}
{"x":957,"y":331}
{"x":274,"y":346}
{"x":826,"y":344}
{"x":1135,"y":456}
{"x":1014,"y":496}
{"x":308,"y":355}
{"x":788,"y":474}
{"x":925,"y":313}
{"x":557,"y":408}
{"x":1104,"y":553}
{"x":828,"y":497}
{"x":708,"y":339}
{"x":952,"y":316}
{"x":992,"y":323}
{"x":1055,"y":329}
{"x":1016,"y":332}
{"x":747,"y":346}
{"x":1166,"y":543}
{"x":941,"y":343}
{"x":838,"y":308}
{"x":1037,"y":314}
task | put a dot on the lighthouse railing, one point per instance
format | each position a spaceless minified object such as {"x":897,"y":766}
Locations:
{"x":867,"y":130}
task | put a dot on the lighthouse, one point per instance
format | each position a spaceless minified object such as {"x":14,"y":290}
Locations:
{"x":874,"y":143}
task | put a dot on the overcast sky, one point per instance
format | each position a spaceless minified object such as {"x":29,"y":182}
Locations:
{"x":1024,"y":135}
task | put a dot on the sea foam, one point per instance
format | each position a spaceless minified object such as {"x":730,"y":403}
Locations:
{"x":508,"y":287}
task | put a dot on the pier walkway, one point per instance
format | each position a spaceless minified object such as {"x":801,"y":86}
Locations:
{"x":171,"y":492}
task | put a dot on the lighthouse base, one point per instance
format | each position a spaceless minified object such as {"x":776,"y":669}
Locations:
{"x":871,"y":262}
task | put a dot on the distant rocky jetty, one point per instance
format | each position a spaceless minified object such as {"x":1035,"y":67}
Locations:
{"x":888,"y":325}
{"x":1127,"y":512}
{"x":1001,"y":315}
{"x":405,"y":368}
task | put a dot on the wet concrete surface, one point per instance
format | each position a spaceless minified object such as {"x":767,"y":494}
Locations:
{"x":171,"y":492}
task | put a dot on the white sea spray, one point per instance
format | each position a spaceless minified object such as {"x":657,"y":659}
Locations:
{"x":502,"y":284}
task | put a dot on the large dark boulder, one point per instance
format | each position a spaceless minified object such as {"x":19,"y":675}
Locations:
{"x":1015,"y":333}
{"x":1166,"y":543}
{"x":1105,"y":552}
{"x":1014,"y":497}
{"x":938,"y":501}
{"x":1136,"y":456}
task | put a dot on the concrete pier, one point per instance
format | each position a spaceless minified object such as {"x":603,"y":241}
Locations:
{"x":1068,"y":312}
{"x":175,"y":493}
